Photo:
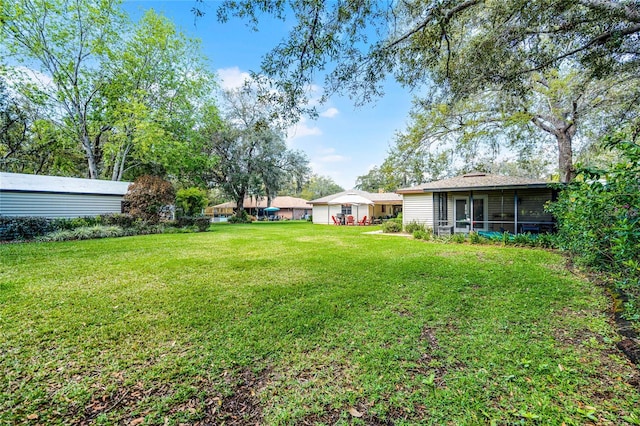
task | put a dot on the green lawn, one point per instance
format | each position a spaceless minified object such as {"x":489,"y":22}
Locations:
{"x":291,"y":323}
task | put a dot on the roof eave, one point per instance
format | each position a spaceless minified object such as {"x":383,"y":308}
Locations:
{"x":489,"y":187}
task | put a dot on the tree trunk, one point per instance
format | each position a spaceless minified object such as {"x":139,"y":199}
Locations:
{"x":91,"y":159}
{"x":240,"y":205}
{"x":565,"y":156}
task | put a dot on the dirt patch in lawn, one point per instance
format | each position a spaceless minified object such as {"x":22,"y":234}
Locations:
{"x":242,"y":407}
{"x":332,"y":416}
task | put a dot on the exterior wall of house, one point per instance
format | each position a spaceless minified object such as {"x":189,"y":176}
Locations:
{"x":57,"y":205}
{"x":501,"y":210}
{"x":321,"y":215}
{"x":418,"y":208}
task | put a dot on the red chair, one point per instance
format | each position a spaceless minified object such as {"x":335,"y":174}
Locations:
{"x":350,"y":220}
{"x":335,"y":221}
{"x":363,"y":221}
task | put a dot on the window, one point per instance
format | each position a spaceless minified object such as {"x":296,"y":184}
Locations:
{"x":346,"y":209}
{"x":383,"y":207}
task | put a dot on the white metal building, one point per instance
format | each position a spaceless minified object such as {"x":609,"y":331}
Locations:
{"x":55,"y":196}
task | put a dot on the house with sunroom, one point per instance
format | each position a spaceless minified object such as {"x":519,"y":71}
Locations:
{"x":480,"y":202}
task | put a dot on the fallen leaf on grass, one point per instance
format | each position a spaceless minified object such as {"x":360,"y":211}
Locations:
{"x":32,"y":416}
{"x":354,"y":412}
{"x":137,"y":421}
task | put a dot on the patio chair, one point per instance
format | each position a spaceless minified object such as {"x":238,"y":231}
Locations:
{"x":363,"y":221}
{"x":335,"y":221}
{"x":350,"y":220}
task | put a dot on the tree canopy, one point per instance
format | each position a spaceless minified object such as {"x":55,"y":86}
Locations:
{"x":357,"y":44}
{"x":250,"y":150}
{"x":475,"y":54}
{"x":126,"y":96}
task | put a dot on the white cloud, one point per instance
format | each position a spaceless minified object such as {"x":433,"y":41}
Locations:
{"x":302,"y":129}
{"x":29,"y":75}
{"x":336,"y":158}
{"x":232,"y":78}
{"x":330,"y":113}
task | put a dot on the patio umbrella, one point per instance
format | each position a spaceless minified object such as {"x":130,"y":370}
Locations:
{"x":271,"y":209}
{"x":353,"y":199}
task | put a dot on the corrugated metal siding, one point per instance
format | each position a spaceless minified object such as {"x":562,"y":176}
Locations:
{"x":57,"y":205}
{"x":418,"y":208}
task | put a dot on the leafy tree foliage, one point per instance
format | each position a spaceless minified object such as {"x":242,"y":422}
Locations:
{"x":360,"y":43}
{"x":372,"y":181}
{"x":599,"y":216}
{"x":157,"y":82}
{"x":191,"y":201}
{"x":556,"y":110}
{"x":148,"y":198}
{"x":32,"y":144}
{"x":69,"y":40}
{"x":319,"y":186}
{"x":489,"y":61}
{"x":252,"y":157}
{"x":130,"y":97}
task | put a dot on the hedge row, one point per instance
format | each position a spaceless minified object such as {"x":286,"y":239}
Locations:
{"x":24,"y":228}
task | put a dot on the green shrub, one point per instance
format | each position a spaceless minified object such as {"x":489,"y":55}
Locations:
{"x":547,"y":241}
{"x":413,"y":226}
{"x":198,"y":224}
{"x":598,"y":217}
{"x":421,"y":234}
{"x":122,"y":220}
{"x":506,"y":238}
{"x":458,"y":238}
{"x":84,"y":233}
{"x":75,"y":222}
{"x":191,"y":201}
{"x":391,"y":226}
{"x":599,"y":213}
{"x":526,"y":239}
{"x":475,"y":238}
{"x":24,"y":227}
{"x":240,"y":217}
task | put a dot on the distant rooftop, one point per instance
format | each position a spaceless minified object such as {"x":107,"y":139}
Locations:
{"x":19,"y":182}
{"x":283,"y":202}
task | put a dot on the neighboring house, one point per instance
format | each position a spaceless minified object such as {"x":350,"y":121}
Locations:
{"x":480,"y":202}
{"x":54,"y":196}
{"x":290,"y":208}
{"x":381,"y":205}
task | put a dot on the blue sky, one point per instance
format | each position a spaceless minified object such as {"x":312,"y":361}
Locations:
{"x":344,"y":142}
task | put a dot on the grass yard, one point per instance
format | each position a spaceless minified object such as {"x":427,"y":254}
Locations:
{"x":291,"y":323}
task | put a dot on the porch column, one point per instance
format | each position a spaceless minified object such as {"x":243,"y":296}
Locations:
{"x":471,"y":211}
{"x":515,"y":212}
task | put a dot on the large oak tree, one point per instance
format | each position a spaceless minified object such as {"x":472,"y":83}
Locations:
{"x":465,"y":48}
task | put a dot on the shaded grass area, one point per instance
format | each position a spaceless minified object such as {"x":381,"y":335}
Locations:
{"x":291,"y":323}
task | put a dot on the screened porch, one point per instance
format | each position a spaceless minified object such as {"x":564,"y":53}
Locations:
{"x":506,"y":210}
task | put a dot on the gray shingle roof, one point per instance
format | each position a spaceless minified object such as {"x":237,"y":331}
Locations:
{"x":475,"y":181}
